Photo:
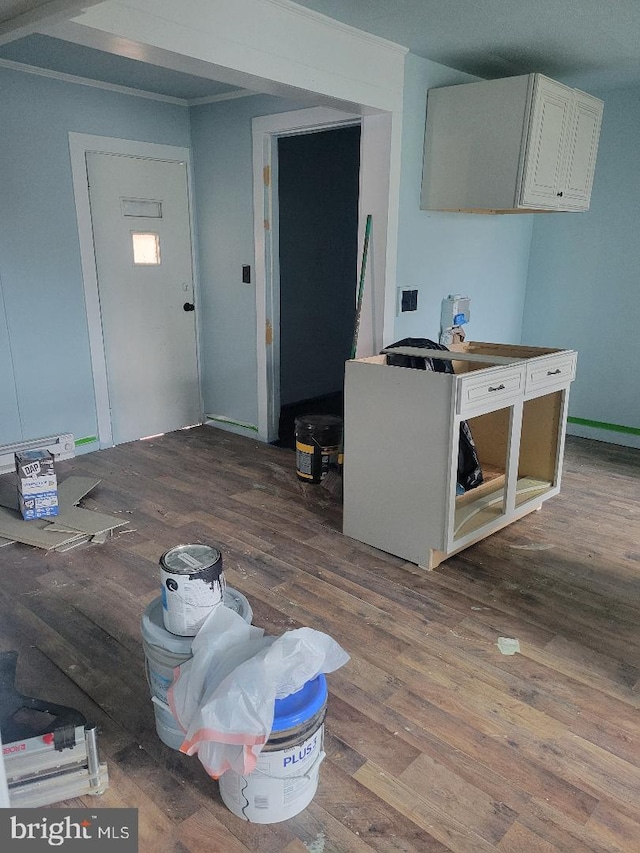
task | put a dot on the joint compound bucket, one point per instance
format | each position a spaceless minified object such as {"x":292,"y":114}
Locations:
{"x":192,"y":585}
{"x":285,"y":779}
{"x":164,"y":652}
{"x":318,"y":440}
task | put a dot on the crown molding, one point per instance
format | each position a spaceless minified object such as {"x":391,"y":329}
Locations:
{"x":318,"y":17}
{"x":225,"y":96}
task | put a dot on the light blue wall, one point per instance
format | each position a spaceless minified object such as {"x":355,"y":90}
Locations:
{"x":40,"y":270}
{"x":582,"y":271}
{"x":484,"y":257}
{"x":481,"y":256}
{"x":9,"y":414}
{"x":583,"y":290}
{"x":223,"y":177}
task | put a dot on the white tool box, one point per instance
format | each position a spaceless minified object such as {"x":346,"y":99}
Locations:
{"x":50,"y":752}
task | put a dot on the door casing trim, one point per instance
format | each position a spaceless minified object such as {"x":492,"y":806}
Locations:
{"x":79,"y":145}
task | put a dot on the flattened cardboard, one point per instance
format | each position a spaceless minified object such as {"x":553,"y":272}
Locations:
{"x":13,"y":526}
{"x":70,"y":491}
{"x":85,"y":521}
{"x":8,"y":492}
{"x":73,"y":489}
{"x":71,"y":527}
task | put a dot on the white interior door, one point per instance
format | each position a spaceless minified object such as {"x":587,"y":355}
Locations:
{"x":142,"y":241}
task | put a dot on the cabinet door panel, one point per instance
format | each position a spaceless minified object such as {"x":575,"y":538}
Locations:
{"x":544,"y":158}
{"x":582,"y":150}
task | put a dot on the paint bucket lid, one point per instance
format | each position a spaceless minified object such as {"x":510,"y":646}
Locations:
{"x":323,"y":430}
{"x":187,"y":559}
{"x":156,"y":634}
{"x":297,"y":708}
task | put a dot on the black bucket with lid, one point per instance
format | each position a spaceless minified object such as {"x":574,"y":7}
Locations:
{"x":318,"y":440}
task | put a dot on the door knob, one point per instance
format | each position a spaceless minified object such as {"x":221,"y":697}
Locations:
{"x":189,"y":306}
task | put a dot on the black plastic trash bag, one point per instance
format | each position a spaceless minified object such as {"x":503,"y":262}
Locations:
{"x":419,"y":362}
{"x":469,"y":470}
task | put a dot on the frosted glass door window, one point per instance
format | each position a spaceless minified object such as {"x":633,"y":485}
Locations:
{"x":146,"y":248}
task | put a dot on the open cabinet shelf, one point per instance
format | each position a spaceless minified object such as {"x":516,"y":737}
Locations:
{"x":481,"y":509}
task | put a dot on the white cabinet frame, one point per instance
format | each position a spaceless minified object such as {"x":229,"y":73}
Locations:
{"x":401,"y":446}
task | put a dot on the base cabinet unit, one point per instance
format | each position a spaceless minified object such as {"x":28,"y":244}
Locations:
{"x":402,"y":442}
{"x":525,"y":143}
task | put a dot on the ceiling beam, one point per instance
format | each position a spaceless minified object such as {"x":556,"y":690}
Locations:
{"x":42,"y":13}
{"x":119,"y":46}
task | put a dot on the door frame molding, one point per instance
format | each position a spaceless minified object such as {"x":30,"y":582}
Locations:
{"x":266,"y":130}
{"x":79,"y":145}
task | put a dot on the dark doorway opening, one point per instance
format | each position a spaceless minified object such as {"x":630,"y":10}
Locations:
{"x":318,"y":182}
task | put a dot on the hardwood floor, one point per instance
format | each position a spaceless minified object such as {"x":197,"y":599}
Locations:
{"x":435,"y":741}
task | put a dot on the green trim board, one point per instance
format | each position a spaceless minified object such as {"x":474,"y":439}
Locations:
{"x":602,"y":425}
{"x":88,"y":440}
{"x":223,"y":420}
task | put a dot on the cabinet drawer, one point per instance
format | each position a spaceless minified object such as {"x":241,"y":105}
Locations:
{"x":495,"y":388}
{"x":552,"y":372}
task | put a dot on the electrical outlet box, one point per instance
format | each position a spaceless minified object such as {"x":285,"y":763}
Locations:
{"x":406,"y":300}
{"x":409,"y":300}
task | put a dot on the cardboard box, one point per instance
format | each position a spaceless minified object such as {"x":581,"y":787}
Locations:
{"x":39,"y":505}
{"x":34,"y":463}
{"x":37,"y":484}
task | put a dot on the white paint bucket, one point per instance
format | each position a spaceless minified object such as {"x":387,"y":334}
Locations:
{"x":166,"y":725}
{"x":192,"y":585}
{"x":164,"y":651}
{"x":285,"y":779}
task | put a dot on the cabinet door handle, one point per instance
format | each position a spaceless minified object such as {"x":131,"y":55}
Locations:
{"x":554,"y":372}
{"x":497,"y":388}
{"x":560,"y":193}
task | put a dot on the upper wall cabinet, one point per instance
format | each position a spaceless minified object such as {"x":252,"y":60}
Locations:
{"x":517,"y":144}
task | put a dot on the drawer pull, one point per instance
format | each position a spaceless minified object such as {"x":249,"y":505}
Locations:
{"x":497,"y":388}
{"x":554,"y":372}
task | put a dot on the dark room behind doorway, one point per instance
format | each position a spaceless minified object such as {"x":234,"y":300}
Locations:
{"x":318,"y":180}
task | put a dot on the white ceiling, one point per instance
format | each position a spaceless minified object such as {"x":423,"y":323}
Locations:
{"x":45,"y":52}
{"x":587,"y":43}
{"x":584,"y":42}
